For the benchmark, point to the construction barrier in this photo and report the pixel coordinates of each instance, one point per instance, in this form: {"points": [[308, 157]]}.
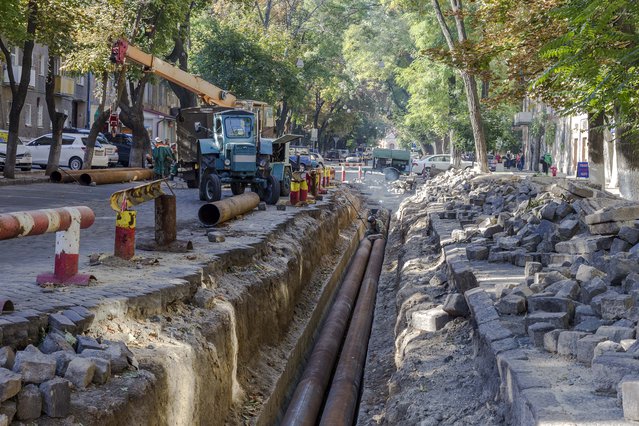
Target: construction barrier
{"points": [[343, 173], [66, 222], [303, 191], [294, 196], [359, 172], [125, 234]]}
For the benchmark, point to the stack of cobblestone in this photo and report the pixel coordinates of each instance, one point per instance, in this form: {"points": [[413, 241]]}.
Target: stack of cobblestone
{"points": [[580, 251], [39, 380]]}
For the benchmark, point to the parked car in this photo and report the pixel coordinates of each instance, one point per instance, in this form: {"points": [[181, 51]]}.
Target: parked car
{"points": [[123, 141], [332, 155], [317, 157], [110, 149], [306, 162], [438, 162], [492, 162], [23, 155], [71, 154], [343, 153], [354, 158]]}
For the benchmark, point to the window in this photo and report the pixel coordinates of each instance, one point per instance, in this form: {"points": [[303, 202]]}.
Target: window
{"points": [[43, 141], [81, 80], [27, 115], [43, 65], [67, 140], [40, 116], [238, 127]]}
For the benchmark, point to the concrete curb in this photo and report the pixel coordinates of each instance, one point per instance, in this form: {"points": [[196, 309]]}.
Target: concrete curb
{"points": [[23, 181]]}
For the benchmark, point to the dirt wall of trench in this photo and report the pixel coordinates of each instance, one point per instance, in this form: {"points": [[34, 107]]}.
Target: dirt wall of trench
{"points": [[207, 352]]}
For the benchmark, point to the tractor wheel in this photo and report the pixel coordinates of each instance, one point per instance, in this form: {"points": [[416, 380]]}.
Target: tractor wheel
{"points": [[211, 188], [270, 194], [285, 186], [237, 188]]}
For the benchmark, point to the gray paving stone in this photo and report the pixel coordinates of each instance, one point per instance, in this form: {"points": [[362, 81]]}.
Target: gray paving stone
{"points": [[616, 334], [493, 331], [537, 331], [455, 305], [10, 384], [56, 397], [29, 405], [34, 366], [616, 306], [80, 372], [550, 340], [102, 370], [7, 357], [557, 319], [511, 305], [587, 273], [567, 342], [53, 342], [586, 348], [609, 369], [62, 323]]}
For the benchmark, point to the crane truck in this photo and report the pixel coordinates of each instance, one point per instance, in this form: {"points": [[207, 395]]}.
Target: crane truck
{"points": [[223, 141]]}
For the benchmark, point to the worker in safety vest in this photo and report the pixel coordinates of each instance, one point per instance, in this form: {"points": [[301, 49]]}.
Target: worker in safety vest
{"points": [[162, 159], [375, 228]]}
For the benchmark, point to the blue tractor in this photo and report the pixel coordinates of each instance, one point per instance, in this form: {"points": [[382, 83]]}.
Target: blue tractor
{"points": [[218, 145]]}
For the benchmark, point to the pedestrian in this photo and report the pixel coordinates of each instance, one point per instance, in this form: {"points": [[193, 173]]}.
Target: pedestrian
{"points": [[520, 165], [162, 159], [509, 158], [547, 162], [498, 158]]}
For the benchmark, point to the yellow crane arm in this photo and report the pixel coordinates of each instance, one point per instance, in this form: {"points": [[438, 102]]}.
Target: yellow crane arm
{"points": [[207, 92]]}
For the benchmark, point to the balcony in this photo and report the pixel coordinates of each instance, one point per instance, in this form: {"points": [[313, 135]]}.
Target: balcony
{"points": [[17, 73], [64, 86], [523, 118]]}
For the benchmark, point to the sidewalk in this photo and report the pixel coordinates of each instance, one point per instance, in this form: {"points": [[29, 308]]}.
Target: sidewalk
{"points": [[25, 178]]}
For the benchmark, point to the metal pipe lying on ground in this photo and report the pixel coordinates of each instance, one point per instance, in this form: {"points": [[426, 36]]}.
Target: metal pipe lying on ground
{"points": [[211, 214], [343, 396], [115, 176], [309, 393], [66, 176]]}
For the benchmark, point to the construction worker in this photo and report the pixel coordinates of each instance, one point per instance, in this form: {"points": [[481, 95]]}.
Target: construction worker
{"points": [[375, 228], [162, 159]]}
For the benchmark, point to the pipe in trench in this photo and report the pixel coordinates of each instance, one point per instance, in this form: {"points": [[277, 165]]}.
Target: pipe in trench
{"points": [[307, 400], [115, 176], [211, 214], [343, 396]]}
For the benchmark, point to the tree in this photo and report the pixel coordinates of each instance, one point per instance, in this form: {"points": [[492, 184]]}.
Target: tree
{"points": [[18, 27], [470, 84]]}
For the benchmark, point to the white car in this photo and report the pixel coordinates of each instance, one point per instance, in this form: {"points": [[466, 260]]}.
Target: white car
{"points": [[71, 154], [23, 155], [438, 161], [354, 158], [318, 158]]}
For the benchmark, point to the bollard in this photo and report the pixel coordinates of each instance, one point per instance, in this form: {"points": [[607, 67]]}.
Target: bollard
{"points": [[343, 173], [359, 172], [125, 234], [332, 176], [67, 222], [294, 196], [303, 190]]}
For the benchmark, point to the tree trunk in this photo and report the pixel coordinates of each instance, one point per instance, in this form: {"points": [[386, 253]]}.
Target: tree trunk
{"points": [[180, 56], [132, 115], [19, 92], [102, 116], [57, 121], [470, 85], [281, 119], [596, 148]]}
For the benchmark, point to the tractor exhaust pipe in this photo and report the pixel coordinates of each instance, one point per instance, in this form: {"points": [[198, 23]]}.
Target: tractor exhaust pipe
{"points": [[307, 400], [217, 212]]}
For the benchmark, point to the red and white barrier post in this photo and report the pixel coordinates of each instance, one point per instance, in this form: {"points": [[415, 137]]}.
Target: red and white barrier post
{"points": [[359, 172], [343, 173], [66, 222]]}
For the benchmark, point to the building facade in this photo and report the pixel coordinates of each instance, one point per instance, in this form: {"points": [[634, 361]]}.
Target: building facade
{"points": [[75, 96]]}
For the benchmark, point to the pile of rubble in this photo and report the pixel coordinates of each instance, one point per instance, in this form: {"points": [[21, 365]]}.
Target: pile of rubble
{"points": [[580, 251], [40, 380]]}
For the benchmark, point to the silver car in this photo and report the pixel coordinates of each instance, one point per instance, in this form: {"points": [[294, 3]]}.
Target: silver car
{"points": [[23, 155]]}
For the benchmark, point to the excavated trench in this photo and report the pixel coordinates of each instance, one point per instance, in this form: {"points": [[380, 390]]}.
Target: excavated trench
{"points": [[232, 349]]}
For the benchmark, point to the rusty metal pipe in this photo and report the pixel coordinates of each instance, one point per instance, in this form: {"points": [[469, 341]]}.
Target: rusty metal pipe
{"points": [[37, 222], [343, 397], [211, 214], [307, 400], [65, 176], [115, 176]]}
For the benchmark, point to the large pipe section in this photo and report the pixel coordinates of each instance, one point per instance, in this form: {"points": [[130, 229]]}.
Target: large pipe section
{"points": [[343, 397], [115, 176], [36, 222], [211, 214], [65, 176], [307, 400]]}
